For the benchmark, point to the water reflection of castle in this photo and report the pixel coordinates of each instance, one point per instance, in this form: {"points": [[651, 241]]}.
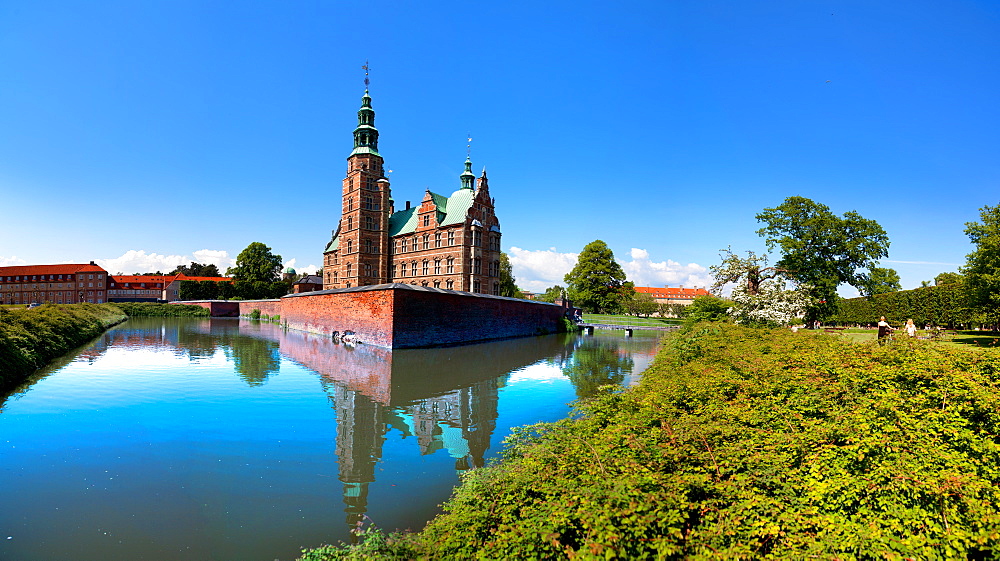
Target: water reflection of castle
{"points": [[446, 398]]}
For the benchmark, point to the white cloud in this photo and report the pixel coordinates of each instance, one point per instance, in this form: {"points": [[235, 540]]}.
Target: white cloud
{"points": [[138, 261], [644, 272], [11, 261], [538, 270]]}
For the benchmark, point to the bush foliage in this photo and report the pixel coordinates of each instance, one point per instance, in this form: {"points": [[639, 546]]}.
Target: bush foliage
{"points": [[149, 309], [748, 443], [31, 338]]}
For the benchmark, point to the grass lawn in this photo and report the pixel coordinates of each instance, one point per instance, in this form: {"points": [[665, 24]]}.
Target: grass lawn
{"points": [[629, 320], [985, 339]]}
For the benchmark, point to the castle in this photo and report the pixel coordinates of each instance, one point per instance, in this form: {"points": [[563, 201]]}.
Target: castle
{"points": [[448, 242]]}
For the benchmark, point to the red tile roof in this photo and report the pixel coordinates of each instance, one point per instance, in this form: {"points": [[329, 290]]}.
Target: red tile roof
{"points": [[671, 292], [167, 279], [59, 269]]}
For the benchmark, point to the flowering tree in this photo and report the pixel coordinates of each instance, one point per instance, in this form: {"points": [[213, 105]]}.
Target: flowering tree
{"points": [[760, 295]]}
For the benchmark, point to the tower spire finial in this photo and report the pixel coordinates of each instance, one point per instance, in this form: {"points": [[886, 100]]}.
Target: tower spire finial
{"points": [[468, 148], [366, 68]]}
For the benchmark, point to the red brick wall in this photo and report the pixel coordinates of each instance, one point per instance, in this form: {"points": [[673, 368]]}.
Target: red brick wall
{"points": [[427, 318], [266, 307], [218, 308], [401, 316], [367, 313]]}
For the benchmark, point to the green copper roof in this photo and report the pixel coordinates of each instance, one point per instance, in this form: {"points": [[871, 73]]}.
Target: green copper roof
{"points": [[366, 135], [334, 244], [403, 222], [458, 207], [468, 178]]}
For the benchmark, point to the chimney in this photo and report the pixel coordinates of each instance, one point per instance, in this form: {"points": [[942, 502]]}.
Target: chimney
{"points": [[92, 263], [407, 205]]}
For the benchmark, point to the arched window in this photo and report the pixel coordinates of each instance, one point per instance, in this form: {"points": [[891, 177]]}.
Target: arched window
{"points": [[437, 266], [349, 270], [451, 265], [413, 269], [425, 271], [350, 223], [350, 246]]}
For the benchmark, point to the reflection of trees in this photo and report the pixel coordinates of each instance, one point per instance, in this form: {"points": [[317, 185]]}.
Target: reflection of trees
{"points": [[596, 362], [254, 359]]}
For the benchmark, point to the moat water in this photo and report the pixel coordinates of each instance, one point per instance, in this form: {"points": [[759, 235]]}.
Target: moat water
{"points": [[199, 439]]}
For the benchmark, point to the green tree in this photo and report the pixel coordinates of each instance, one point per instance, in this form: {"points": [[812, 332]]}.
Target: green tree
{"points": [[882, 281], [822, 250], [196, 270], [552, 293], [707, 308], [256, 263], [982, 266], [641, 304], [596, 280], [595, 363], [947, 278], [508, 287]]}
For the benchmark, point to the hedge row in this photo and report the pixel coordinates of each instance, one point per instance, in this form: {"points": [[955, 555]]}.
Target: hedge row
{"points": [[149, 309], [743, 443], [30, 338], [945, 305]]}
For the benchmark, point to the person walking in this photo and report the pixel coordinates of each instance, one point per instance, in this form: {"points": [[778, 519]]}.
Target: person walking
{"points": [[884, 330], [911, 329]]}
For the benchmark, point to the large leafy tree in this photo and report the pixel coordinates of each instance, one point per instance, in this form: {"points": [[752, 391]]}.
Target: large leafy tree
{"points": [[552, 293], [882, 281], [595, 283], [197, 270], [982, 266], [508, 286], [823, 250], [256, 263]]}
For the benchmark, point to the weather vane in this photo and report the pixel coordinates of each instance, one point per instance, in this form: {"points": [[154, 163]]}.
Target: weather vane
{"points": [[468, 149], [365, 68]]}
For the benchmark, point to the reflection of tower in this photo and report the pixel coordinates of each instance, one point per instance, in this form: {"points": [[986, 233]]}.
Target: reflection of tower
{"points": [[360, 434], [462, 421]]}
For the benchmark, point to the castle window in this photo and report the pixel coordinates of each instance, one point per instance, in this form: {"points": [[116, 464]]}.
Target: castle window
{"points": [[424, 283], [414, 244], [449, 285], [477, 238], [368, 270], [350, 248], [350, 223], [427, 241], [350, 203], [477, 267], [437, 284], [425, 272], [393, 271], [370, 223], [496, 289], [402, 271], [451, 265], [349, 271], [370, 246], [475, 286], [427, 220], [413, 269], [437, 266], [437, 239]]}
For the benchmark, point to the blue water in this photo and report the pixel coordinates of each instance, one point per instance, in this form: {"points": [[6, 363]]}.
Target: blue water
{"points": [[227, 439]]}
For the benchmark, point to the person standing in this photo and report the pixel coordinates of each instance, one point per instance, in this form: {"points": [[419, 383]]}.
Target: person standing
{"points": [[911, 329], [884, 329]]}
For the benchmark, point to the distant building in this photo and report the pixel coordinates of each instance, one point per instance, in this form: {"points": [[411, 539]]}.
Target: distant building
{"points": [[668, 295], [59, 284], [445, 241], [308, 283], [150, 288]]}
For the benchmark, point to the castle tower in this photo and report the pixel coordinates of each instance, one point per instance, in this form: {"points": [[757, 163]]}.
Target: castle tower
{"points": [[359, 253]]}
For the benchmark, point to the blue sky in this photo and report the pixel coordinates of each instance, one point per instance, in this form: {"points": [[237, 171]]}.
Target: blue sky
{"points": [[146, 134]]}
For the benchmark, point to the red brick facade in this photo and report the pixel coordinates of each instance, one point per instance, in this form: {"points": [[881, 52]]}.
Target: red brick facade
{"points": [[446, 242]]}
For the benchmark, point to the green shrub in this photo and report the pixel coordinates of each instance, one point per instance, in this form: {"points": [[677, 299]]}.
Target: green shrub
{"points": [[151, 309], [255, 314], [751, 443]]}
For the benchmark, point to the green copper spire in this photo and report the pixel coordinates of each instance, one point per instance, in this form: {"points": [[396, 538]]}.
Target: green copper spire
{"points": [[468, 178], [366, 135]]}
